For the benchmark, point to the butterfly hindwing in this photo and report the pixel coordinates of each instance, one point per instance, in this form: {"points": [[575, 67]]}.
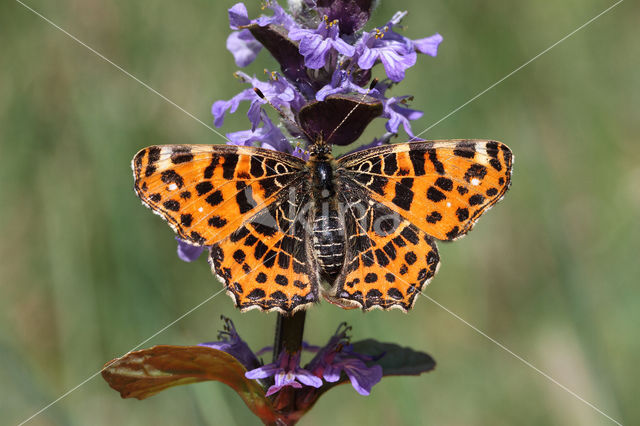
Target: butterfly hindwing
{"points": [[388, 260], [442, 187], [267, 263], [205, 192]]}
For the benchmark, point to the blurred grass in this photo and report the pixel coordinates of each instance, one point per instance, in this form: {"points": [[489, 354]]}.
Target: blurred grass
{"points": [[86, 273]]}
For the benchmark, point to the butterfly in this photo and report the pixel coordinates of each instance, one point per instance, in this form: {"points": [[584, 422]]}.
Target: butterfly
{"points": [[359, 230]]}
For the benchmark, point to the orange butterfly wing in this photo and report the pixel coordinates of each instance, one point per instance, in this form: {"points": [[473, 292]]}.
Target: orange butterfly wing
{"points": [[442, 187], [242, 203], [397, 199], [388, 260]]}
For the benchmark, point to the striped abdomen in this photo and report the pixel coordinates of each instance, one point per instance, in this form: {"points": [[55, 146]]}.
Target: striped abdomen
{"points": [[328, 240]]}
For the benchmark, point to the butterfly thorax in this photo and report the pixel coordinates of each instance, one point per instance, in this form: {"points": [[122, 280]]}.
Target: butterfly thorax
{"points": [[328, 228]]}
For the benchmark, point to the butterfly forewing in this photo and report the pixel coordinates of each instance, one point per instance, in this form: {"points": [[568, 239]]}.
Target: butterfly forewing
{"points": [[206, 192], [244, 203], [442, 187]]}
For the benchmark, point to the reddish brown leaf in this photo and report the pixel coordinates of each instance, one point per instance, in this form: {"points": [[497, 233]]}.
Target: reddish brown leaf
{"points": [[144, 373]]}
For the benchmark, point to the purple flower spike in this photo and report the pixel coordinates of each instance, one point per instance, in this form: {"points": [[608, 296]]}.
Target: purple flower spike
{"points": [[231, 343], [316, 44], [286, 372], [188, 252]]}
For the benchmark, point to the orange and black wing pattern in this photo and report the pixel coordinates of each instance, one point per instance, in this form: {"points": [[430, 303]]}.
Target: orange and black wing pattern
{"points": [[442, 187], [398, 199], [238, 201], [268, 262], [388, 260]]}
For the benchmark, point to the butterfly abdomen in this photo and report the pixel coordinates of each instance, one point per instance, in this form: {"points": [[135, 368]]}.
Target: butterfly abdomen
{"points": [[328, 239], [328, 228]]}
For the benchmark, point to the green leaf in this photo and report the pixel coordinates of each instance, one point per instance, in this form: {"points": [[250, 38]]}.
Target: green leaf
{"points": [[144, 373], [397, 360]]}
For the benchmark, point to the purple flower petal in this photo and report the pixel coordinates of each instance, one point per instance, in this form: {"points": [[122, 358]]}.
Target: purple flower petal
{"points": [[316, 44], [243, 46], [262, 372], [428, 45], [362, 378], [238, 16], [188, 252], [268, 136], [286, 372], [220, 108], [231, 343], [308, 379]]}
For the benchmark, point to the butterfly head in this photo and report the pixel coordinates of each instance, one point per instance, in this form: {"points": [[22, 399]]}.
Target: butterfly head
{"points": [[320, 148]]}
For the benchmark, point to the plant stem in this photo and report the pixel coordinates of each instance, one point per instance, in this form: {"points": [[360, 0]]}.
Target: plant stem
{"points": [[289, 331]]}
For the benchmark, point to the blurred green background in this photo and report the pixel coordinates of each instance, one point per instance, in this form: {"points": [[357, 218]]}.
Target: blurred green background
{"points": [[87, 273]]}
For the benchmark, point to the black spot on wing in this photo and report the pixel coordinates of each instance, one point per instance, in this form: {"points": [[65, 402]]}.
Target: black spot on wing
{"points": [[410, 235], [281, 280], [453, 233], [444, 183], [154, 154], [463, 214], [394, 293], [382, 258], [475, 171], [403, 195], [434, 217], [208, 171], [172, 205], [390, 164], [214, 198], [204, 187], [170, 176], [181, 155], [217, 221], [476, 199], [435, 195], [433, 157], [229, 165], [244, 198], [417, 160], [256, 166], [492, 149], [256, 294], [239, 256], [186, 219]]}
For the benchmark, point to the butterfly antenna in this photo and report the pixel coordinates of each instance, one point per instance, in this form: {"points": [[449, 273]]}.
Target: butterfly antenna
{"points": [[281, 113], [373, 84]]}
